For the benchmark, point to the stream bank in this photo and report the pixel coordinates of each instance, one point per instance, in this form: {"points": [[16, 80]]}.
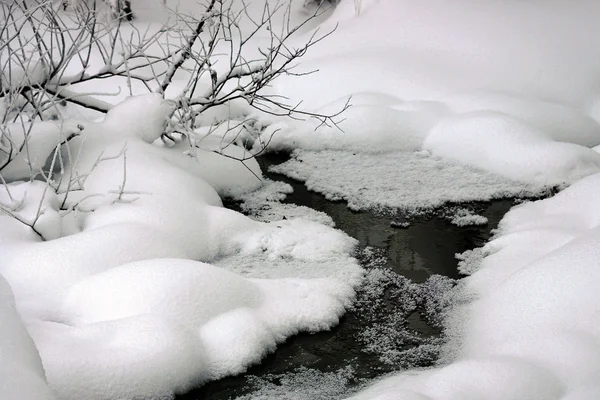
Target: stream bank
{"points": [[395, 323]]}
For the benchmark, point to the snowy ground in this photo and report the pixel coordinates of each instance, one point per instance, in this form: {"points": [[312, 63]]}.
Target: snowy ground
{"points": [[140, 284]]}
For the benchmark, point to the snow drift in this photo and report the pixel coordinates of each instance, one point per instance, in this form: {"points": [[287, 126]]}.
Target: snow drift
{"points": [[467, 80], [111, 281]]}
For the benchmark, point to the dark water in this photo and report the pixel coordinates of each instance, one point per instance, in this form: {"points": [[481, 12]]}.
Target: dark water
{"points": [[426, 247]]}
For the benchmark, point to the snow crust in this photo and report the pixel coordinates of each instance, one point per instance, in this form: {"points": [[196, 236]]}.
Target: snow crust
{"points": [[397, 181]]}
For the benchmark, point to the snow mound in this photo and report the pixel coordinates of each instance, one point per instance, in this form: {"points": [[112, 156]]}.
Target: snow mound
{"points": [[457, 79], [22, 366], [108, 266], [188, 292], [26, 147], [508, 147], [170, 324], [374, 122], [140, 116]]}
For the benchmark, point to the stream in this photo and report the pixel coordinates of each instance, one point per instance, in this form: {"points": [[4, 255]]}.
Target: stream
{"points": [[412, 265]]}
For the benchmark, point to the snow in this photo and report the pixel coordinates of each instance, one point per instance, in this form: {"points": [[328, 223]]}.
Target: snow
{"points": [[454, 79], [38, 142], [24, 372], [510, 88], [302, 384], [124, 277], [465, 217], [151, 113], [511, 148], [266, 204], [115, 288]]}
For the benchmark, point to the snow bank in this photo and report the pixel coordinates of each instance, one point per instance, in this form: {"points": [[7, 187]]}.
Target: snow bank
{"points": [[522, 48], [110, 274], [507, 146], [532, 332], [38, 141], [480, 82]]}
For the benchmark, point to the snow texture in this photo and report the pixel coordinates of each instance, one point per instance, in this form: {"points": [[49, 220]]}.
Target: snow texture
{"points": [[303, 384], [399, 181], [464, 217], [111, 277], [266, 204], [21, 364], [479, 82]]}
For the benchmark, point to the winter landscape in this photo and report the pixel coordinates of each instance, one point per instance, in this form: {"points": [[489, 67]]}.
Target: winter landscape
{"points": [[189, 188]]}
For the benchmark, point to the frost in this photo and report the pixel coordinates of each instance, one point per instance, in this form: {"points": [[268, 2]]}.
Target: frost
{"points": [[266, 204], [387, 302], [470, 261], [303, 384], [405, 182], [465, 217]]}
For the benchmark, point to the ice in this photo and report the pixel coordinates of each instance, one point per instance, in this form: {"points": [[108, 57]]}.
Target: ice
{"points": [[400, 181], [265, 204], [465, 217], [302, 384]]}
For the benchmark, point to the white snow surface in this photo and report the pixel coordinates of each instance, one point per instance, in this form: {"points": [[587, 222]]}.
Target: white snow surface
{"points": [[112, 281], [510, 87], [21, 371]]}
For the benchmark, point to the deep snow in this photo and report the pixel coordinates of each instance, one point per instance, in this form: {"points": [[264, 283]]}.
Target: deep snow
{"points": [[116, 298]]}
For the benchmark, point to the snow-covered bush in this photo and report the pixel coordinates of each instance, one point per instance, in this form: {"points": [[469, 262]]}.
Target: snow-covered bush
{"points": [[62, 62]]}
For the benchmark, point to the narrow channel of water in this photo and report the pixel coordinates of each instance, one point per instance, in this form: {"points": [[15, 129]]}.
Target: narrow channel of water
{"points": [[426, 247]]}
